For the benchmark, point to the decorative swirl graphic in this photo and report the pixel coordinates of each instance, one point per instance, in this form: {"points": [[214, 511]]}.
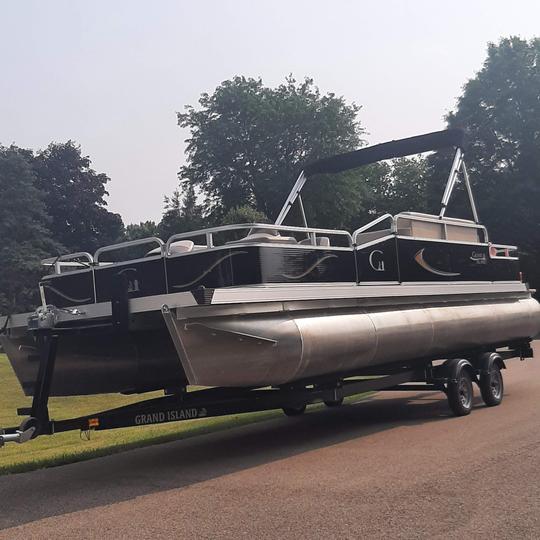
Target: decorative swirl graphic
{"points": [[419, 258], [311, 268], [65, 296], [208, 270]]}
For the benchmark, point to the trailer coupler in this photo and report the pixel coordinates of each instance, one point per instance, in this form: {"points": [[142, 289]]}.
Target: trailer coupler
{"points": [[16, 435]]}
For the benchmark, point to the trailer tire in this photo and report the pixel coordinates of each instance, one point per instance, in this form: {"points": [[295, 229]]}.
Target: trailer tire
{"points": [[295, 411], [460, 392], [492, 386], [334, 402]]}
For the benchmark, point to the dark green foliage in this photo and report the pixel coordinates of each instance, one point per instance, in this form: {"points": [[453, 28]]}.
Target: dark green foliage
{"points": [[144, 229], [500, 109], [24, 231], [74, 199], [248, 142], [397, 186], [244, 214], [182, 213], [52, 202]]}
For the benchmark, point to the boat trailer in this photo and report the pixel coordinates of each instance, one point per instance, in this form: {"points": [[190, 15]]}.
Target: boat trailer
{"points": [[454, 377]]}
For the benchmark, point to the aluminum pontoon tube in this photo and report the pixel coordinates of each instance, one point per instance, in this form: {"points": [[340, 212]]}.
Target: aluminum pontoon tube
{"points": [[277, 348]]}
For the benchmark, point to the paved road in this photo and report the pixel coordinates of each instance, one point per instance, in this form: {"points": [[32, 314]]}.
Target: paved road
{"points": [[396, 466]]}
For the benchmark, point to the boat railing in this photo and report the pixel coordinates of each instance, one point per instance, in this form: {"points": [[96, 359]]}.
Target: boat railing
{"points": [[446, 227], [371, 224], [502, 251], [310, 232], [70, 260], [129, 244]]}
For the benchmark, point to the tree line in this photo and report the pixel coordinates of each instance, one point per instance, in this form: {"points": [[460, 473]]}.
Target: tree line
{"points": [[247, 144]]}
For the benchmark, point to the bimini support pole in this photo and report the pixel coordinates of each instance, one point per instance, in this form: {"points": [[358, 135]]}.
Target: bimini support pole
{"points": [[293, 195], [469, 191], [458, 166], [451, 182]]}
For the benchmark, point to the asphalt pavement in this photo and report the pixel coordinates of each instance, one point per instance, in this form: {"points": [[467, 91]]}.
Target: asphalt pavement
{"points": [[394, 466]]}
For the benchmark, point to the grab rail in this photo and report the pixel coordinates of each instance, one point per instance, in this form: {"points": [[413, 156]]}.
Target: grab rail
{"points": [[368, 226], [128, 244], [68, 260], [494, 250]]}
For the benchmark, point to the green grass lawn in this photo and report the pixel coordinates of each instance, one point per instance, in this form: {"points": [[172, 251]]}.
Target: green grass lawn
{"points": [[68, 447]]}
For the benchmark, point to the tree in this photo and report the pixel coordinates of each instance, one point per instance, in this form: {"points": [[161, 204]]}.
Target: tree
{"points": [[24, 231], [398, 186], [248, 142], [244, 214], [136, 231], [182, 213], [500, 109], [75, 198]]}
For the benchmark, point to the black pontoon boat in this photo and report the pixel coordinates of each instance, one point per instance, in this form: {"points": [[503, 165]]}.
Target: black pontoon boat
{"points": [[255, 305]]}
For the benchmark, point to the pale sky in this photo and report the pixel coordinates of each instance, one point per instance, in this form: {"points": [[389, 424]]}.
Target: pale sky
{"points": [[112, 74]]}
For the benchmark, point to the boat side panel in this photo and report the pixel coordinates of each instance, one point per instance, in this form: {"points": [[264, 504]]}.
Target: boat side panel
{"points": [[142, 277], [251, 265], [70, 289], [214, 268], [293, 265], [378, 262], [424, 260]]}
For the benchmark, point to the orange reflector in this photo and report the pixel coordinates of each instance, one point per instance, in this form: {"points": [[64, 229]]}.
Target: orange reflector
{"points": [[93, 422]]}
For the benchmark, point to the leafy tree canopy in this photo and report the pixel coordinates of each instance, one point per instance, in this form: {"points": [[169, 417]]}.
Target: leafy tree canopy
{"points": [[24, 231], [500, 109], [248, 143], [244, 214], [182, 213], [75, 198], [136, 231]]}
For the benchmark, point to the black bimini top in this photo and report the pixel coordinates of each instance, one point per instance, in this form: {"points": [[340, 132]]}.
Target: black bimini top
{"points": [[403, 147]]}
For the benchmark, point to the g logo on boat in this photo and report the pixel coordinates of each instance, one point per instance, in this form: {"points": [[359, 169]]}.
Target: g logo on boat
{"points": [[376, 260]]}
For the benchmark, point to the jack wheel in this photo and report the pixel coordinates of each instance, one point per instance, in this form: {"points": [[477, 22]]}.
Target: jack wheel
{"points": [[29, 423], [492, 387], [294, 411], [460, 393]]}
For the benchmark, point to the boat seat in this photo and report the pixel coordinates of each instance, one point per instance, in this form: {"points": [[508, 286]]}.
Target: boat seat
{"points": [[365, 237], [270, 236], [265, 238], [180, 246], [323, 241]]}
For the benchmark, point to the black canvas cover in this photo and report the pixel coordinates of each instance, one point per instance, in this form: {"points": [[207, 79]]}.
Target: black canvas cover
{"points": [[403, 147]]}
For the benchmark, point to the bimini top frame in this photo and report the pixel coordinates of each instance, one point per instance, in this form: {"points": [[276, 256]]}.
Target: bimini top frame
{"points": [[380, 152]]}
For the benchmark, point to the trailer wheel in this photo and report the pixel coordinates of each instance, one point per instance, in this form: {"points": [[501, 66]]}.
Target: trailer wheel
{"points": [[492, 386], [294, 411], [334, 402], [460, 392]]}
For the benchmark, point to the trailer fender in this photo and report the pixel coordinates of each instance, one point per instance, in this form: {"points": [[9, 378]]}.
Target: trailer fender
{"points": [[486, 361], [452, 367]]}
